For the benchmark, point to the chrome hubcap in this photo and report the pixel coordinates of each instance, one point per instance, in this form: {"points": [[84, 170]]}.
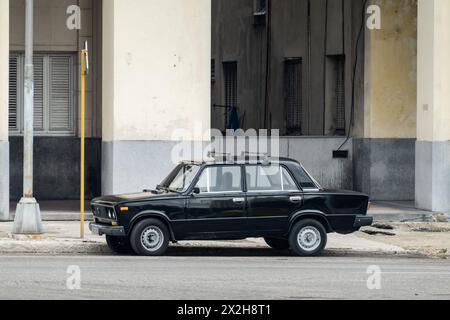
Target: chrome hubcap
{"points": [[309, 239], [152, 238]]}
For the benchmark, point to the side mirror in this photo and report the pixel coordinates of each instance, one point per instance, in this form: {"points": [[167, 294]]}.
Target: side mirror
{"points": [[196, 190]]}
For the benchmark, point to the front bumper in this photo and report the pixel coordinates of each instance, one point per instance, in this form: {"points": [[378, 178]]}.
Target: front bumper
{"points": [[100, 230], [363, 221]]}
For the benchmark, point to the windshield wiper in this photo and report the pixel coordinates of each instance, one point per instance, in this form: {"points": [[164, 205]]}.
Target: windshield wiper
{"points": [[167, 189]]}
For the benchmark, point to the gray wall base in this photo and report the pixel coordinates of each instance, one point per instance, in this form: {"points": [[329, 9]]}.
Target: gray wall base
{"points": [[132, 166], [4, 181], [384, 168], [316, 155], [56, 168], [433, 176]]}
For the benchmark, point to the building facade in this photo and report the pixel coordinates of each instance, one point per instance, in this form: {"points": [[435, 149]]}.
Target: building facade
{"points": [[312, 69]]}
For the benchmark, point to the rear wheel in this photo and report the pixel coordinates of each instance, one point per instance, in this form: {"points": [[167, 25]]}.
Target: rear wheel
{"points": [[277, 244], [150, 237], [119, 245], [308, 238]]}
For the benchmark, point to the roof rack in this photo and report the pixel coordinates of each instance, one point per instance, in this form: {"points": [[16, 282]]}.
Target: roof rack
{"points": [[214, 154], [264, 156]]}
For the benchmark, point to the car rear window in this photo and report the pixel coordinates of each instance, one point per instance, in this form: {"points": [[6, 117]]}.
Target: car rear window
{"points": [[269, 178], [304, 180]]}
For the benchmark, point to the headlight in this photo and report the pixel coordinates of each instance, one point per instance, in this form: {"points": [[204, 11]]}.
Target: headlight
{"points": [[111, 214]]}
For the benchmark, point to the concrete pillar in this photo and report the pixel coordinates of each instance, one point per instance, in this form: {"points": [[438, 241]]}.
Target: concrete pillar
{"points": [[4, 79], [433, 106], [385, 127], [156, 80]]}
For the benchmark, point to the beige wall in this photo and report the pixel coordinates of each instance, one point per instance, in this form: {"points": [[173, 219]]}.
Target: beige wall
{"points": [[4, 53], [390, 72], [52, 35], [156, 68], [433, 105]]}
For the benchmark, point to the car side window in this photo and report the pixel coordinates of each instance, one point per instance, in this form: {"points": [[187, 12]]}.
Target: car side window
{"points": [[269, 178], [288, 181], [220, 179]]}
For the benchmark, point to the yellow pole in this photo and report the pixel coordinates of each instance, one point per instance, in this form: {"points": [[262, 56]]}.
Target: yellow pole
{"points": [[82, 129]]}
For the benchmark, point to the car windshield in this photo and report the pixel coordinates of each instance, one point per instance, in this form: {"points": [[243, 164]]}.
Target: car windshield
{"points": [[183, 178]]}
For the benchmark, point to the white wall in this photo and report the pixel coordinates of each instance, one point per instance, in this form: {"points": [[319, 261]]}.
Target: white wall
{"points": [[4, 62], [4, 146], [156, 68], [433, 86]]}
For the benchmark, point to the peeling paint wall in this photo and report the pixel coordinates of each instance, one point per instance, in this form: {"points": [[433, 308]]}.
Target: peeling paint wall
{"points": [[391, 72], [156, 68]]}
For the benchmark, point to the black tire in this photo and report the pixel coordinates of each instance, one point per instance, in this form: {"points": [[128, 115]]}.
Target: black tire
{"points": [[119, 245], [150, 237], [277, 244], [314, 238]]}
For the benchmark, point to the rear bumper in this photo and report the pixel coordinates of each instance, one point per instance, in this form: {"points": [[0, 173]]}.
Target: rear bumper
{"points": [[107, 230], [363, 221]]}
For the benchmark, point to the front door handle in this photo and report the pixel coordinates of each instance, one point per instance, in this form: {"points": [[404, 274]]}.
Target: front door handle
{"points": [[295, 199], [239, 200]]}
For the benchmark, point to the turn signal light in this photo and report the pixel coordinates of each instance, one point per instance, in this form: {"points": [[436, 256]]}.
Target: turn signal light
{"points": [[123, 209]]}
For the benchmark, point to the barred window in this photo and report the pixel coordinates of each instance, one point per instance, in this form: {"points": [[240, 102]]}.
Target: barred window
{"points": [[54, 94], [293, 86], [230, 87]]}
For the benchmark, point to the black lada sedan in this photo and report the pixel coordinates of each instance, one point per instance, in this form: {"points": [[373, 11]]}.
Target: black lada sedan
{"points": [[229, 200]]}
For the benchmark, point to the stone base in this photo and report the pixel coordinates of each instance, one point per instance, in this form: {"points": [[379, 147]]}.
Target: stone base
{"points": [[433, 176], [28, 217], [384, 168], [4, 181]]}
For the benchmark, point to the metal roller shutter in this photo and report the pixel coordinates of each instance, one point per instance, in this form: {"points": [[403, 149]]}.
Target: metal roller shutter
{"points": [[38, 61], [13, 107], [60, 94]]}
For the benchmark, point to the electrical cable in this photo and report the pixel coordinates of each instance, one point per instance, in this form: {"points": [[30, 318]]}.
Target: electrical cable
{"points": [[325, 68], [355, 67], [268, 57]]}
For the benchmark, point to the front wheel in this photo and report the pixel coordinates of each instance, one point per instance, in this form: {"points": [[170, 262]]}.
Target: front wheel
{"points": [[150, 237], [308, 238], [277, 244], [119, 245]]}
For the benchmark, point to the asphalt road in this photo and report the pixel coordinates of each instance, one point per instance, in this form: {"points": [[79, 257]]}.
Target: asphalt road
{"points": [[205, 275]]}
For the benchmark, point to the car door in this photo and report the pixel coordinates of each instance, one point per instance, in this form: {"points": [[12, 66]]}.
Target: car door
{"points": [[219, 209], [272, 196]]}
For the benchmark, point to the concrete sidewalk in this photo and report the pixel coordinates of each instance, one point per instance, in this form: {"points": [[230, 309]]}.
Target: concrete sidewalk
{"points": [[63, 238], [392, 211]]}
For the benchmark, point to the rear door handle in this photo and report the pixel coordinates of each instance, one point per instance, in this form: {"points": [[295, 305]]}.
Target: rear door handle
{"points": [[295, 199], [239, 200]]}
